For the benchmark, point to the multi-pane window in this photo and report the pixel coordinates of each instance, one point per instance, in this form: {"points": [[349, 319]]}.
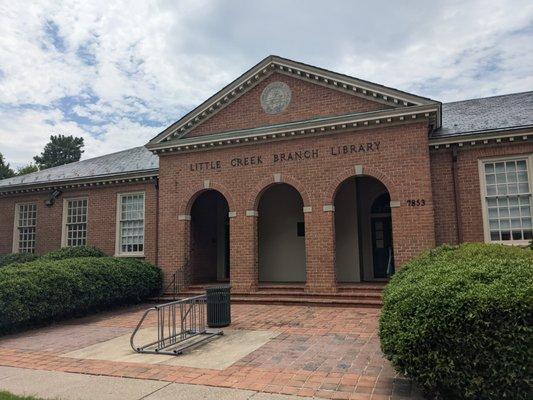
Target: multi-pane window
{"points": [[508, 200], [76, 222], [25, 228], [131, 223]]}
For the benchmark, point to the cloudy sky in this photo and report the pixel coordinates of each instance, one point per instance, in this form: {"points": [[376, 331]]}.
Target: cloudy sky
{"points": [[118, 72]]}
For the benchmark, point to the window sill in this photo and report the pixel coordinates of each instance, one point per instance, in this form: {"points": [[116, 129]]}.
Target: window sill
{"points": [[130, 255], [519, 243]]}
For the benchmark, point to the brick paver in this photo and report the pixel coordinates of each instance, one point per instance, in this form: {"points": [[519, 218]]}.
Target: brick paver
{"points": [[324, 352]]}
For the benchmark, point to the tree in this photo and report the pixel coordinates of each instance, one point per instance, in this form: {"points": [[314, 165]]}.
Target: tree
{"points": [[60, 150], [5, 170], [28, 169]]}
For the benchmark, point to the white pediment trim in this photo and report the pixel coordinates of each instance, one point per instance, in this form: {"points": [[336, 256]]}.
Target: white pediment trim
{"points": [[357, 87], [294, 130]]}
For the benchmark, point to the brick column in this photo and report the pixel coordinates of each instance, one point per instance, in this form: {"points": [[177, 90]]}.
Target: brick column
{"points": [[413, 231], [243, 252], [174, 238], [320, 250]]}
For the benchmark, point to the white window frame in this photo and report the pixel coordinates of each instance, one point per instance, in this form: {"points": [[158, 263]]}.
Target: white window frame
{"points": [[64, 230], [16, 241], [483, 190], [118, 247]]}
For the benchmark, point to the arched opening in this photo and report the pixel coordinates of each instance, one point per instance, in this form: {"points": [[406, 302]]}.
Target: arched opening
{"points": [[209, 252], [281, 235], [363, 231]]}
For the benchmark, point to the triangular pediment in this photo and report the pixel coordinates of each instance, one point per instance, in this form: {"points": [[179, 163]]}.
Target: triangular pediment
{"points": [[294, 92]]}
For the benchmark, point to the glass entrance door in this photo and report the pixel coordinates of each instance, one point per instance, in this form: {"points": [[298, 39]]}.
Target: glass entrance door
{"points": [[382, 246]]}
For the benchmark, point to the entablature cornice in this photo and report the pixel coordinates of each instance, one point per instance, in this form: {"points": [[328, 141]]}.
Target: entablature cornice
{"points": [[318, 126]]}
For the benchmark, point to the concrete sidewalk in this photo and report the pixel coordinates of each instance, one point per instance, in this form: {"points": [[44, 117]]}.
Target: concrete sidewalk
{"points": [[68, 386]]}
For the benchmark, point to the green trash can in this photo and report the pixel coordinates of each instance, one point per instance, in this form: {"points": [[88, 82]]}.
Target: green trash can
{"points": [[218, 306]]}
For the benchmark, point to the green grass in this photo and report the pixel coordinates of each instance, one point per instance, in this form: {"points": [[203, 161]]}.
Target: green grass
{"points": [[9, 396]]}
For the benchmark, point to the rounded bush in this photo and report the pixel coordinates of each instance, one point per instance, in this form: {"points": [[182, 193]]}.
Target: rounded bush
{"points": [[43, 291], [73, 252], [6, 259], [458, 321]]}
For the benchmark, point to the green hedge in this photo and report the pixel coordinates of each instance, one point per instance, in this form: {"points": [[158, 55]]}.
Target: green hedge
{"points": [[6, 259], [73, 252], [458, 321], [43, 291], [59, 254]]}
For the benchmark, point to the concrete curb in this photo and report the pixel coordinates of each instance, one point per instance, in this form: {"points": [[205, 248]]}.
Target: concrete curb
{"points": [[68, 386]]}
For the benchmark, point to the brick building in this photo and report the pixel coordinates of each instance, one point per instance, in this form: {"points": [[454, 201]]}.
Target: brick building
{"points": [[292, 175]]}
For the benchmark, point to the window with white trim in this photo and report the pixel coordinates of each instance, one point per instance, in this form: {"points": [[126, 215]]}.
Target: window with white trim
{"points": [[130, 218], [75, 229], [26, 220], [507, 200]]}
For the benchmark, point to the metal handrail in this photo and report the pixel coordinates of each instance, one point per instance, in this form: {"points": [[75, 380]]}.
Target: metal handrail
{"points": [[173, 339], [177, 282]]}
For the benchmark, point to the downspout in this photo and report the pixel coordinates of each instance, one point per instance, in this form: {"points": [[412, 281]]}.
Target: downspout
{"points": [[156, 186], [455, 178]]}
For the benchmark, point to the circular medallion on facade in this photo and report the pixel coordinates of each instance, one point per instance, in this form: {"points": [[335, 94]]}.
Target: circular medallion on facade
{"points": [[275, 97]]}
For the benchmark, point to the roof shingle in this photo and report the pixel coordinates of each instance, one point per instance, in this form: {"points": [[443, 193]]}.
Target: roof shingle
{"points": [[488, 113], [133, 160]]}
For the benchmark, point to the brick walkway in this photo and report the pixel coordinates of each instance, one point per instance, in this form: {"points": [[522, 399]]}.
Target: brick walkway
{"points": [[320, 351]]}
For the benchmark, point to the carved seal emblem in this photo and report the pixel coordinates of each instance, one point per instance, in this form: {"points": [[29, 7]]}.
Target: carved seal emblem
{"points": [[275, 97]]}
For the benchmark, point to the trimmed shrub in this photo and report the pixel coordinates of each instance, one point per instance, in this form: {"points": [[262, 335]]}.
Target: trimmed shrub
{"points": [[73, 252], [43, 291], [6, 259], [458, 321]]}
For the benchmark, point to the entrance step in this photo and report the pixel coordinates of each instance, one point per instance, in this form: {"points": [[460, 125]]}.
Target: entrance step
{"points": [[361, 287], [354, 295], [311, 300], [282, 287]]}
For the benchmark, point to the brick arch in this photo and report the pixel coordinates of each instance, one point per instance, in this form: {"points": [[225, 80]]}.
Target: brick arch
{"points": [[367, 171], [192, 194], [263, 185]]}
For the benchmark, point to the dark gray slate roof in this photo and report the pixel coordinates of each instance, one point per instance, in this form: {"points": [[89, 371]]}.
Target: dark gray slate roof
{"points": [[124, 162], [489, 113]]}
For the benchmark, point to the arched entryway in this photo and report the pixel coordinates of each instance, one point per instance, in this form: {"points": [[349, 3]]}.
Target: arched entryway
{"points": [[363, 231], [281, 235], [209, 251]]}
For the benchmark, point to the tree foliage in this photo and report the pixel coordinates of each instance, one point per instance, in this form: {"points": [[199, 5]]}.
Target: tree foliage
{"points": [[28, 169], [5, 169], [60, 150]]}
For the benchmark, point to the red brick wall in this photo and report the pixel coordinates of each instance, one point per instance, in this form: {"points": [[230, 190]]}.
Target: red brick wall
{"points": [[308, 100], [443, 197], [101, 228], [469, 206], [402, 164]]}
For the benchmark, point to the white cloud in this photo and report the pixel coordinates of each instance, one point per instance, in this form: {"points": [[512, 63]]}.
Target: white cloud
{"points": [[23, 133], [452, 59], [119, 71]]}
